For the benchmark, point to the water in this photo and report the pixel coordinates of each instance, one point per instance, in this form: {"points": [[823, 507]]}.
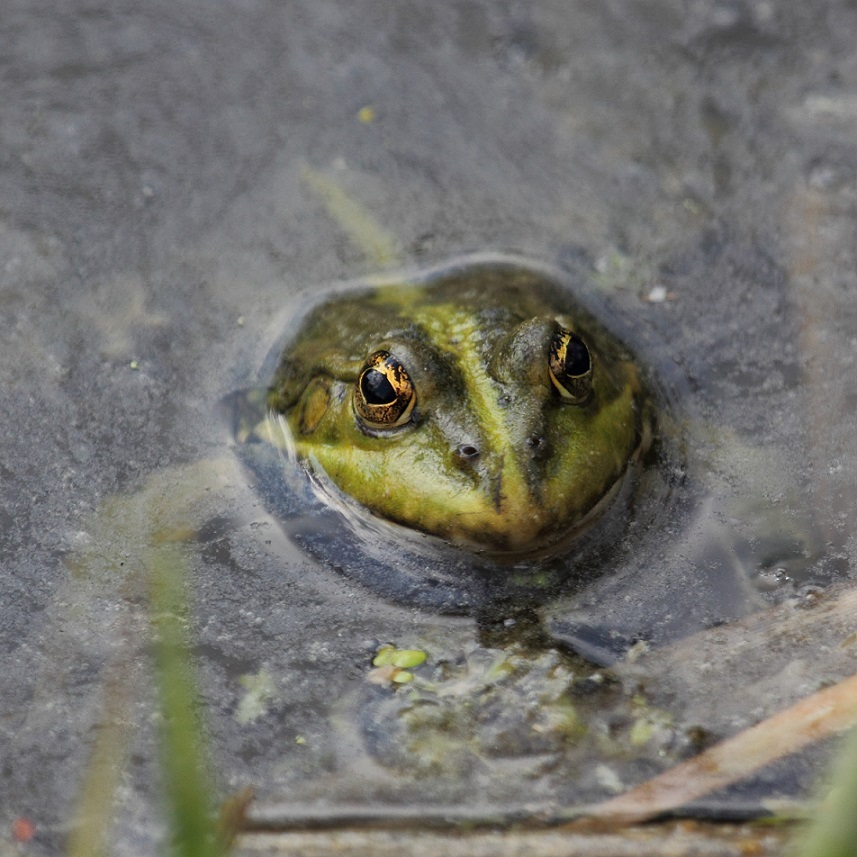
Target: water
{"points": [[172, 183]]}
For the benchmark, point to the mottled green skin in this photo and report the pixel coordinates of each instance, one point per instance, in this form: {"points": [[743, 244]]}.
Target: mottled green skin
{"points": [[475, 344]]}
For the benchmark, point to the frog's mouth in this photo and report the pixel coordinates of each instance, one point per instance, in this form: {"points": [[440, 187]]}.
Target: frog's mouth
{"points": [[410, 566], [504, 540]]}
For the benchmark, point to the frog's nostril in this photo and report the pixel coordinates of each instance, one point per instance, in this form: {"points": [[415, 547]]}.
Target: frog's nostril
{"points": [[467, 452], [539, 447]]}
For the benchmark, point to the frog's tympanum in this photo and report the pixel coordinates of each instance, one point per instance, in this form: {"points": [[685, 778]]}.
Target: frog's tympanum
{"points": [[485, 407]]}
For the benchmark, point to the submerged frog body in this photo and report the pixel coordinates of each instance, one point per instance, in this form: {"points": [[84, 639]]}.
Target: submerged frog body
{"points": [[485, 406]]}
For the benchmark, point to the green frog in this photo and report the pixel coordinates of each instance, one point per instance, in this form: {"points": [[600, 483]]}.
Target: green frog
{"points": [[483, 405]]}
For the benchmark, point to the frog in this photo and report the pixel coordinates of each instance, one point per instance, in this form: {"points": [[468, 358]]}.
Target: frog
{"points": [[484, 406]]}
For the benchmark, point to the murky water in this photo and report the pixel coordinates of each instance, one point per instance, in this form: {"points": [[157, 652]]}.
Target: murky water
{"points": [[178, 180]]}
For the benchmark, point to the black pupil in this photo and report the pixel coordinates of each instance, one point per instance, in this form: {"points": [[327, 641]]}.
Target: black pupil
{"points": [[576, 357], [377, 390]]}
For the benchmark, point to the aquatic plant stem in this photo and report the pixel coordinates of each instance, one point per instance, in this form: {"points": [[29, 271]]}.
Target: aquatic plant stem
{"points": [[189, 800]]}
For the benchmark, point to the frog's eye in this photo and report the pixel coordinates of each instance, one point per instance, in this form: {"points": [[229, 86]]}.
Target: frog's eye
{"points": [[570, 366], [384, 396]]}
